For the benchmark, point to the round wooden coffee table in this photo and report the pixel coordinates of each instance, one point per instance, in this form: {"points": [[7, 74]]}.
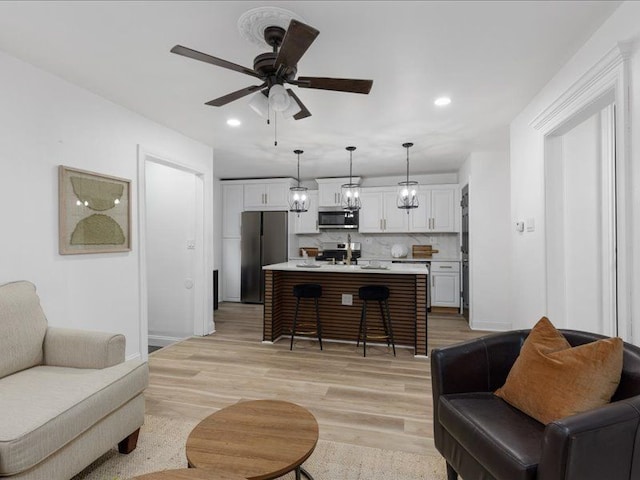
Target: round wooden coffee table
{"points": [[189, 474], [258, 440]]}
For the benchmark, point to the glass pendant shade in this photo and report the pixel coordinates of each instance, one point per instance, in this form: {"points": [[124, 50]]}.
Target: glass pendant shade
{"points": [[292, 109], [260, 104], [350, 192], [298, 196], [408, 195], [278, 98], [407, 198]]}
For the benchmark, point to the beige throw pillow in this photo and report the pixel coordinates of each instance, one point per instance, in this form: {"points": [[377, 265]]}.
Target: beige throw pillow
{"points": [[551, 380]]}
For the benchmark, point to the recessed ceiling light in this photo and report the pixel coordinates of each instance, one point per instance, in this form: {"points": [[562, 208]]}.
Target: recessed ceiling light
{"points": [[442, 101], [234, 122]]}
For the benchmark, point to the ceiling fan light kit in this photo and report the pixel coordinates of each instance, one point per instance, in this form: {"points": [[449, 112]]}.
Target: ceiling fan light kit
{"points": [[275, 68], [408, 189], [350, 192], [298, 196], [278, 98]]}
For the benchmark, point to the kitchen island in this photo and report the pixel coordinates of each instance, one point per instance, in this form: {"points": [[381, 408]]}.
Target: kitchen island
{"points": [[407, 300]]}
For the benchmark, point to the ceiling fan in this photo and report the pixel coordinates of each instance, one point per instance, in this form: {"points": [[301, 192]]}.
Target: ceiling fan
{"points": [[278, 67]]}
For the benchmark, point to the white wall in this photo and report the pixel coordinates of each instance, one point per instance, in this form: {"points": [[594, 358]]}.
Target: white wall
{"points": [[46, 122], [527, 167], [487, 174]]}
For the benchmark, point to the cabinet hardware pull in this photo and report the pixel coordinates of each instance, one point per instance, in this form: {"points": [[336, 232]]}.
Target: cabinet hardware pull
{"points": [[445, 266]]}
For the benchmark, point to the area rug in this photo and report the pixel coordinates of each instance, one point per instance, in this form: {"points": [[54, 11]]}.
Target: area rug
{"points": [[162, 441]]}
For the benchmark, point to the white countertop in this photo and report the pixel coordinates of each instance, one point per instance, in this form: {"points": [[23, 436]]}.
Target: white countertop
{"points": [[322, 267]]}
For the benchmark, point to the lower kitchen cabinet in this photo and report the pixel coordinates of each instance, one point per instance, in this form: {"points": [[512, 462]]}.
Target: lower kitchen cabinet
{"points": [[445, 284]]}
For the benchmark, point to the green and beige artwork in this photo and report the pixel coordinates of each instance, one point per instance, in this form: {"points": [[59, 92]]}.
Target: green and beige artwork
{"points": [[97, 228], [96, 213]]}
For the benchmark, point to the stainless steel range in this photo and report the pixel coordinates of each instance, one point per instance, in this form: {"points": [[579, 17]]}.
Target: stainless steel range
{"points": [[337, 252]]}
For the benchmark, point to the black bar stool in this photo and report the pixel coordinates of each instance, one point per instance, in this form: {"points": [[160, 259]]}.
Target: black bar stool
{"points": [[378, 293], [307, 290]]}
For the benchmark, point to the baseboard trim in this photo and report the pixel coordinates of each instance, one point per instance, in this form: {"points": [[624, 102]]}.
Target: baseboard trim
{"points": [[162, 341], [490, 326]]}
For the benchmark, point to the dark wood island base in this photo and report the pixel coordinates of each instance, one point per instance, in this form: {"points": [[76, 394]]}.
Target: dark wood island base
{"points": [[407, 302]]}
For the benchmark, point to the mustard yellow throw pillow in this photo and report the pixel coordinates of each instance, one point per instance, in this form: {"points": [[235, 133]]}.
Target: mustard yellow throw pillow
{"points": [[551, 380]]}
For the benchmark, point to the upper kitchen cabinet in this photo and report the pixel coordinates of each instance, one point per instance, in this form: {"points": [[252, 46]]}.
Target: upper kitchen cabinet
{"points": [[330, 190], [307, 222], [379, 212], [232, 207], [437, 210], [267, 194]]}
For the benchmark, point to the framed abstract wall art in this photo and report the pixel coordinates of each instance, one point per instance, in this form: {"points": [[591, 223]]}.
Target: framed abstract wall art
{"points": [[94, 212]]}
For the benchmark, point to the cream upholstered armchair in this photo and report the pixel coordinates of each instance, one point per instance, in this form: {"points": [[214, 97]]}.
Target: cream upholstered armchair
{"points": [[66, 396]]}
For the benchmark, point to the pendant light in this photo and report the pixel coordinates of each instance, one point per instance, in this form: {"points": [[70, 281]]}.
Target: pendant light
{"points": [[350, 191], [298, 196], [407, 190]]}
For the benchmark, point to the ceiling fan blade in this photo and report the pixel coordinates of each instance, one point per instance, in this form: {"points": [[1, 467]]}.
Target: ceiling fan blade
{"points": [[297, 40], [203, 57], [338, 84], [218, 102], [303, 113]]}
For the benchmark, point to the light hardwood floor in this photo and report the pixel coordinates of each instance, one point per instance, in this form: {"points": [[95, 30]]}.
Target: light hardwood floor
{"points": [[377, 401]]}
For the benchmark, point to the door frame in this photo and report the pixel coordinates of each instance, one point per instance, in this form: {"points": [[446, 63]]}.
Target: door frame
{"points": [[607, 82], [202, 323]]}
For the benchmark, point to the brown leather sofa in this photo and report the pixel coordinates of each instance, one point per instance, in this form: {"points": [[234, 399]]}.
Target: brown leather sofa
{"points": [[482, 437]]}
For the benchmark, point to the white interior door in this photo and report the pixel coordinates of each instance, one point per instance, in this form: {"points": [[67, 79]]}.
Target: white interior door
{"points": [[581, 256], [171, 196]]}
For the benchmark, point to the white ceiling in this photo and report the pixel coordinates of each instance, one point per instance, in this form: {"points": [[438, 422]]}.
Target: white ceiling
{"points": [[490, 57]]}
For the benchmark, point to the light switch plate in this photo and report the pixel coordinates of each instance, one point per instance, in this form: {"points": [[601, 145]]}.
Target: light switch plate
{"points": [[531, 225]]}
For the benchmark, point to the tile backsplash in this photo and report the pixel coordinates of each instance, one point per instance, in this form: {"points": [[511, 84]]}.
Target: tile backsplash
{"points": [[379, 245]]}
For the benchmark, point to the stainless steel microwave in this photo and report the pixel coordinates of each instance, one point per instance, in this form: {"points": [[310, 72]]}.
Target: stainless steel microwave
{"points": [[338, 219]]}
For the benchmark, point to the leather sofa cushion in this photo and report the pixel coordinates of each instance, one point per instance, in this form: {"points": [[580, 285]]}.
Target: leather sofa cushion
{"points": [[44, 408], [551, 380], [22, 327], [504, 440]]}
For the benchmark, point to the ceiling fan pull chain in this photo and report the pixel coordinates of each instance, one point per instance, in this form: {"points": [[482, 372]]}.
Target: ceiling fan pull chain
{"points": [[275, 129]]}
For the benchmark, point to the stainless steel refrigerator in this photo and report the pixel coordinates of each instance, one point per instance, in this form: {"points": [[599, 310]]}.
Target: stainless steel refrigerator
{"points": [[263, 241]]}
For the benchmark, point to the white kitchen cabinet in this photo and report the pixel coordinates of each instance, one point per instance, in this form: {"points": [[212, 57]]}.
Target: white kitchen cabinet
{"points": [[437, 211], [329, 190], [267, 194], [231, 269], [445, 284], [307, 222], [232, 207], [379, 212]]}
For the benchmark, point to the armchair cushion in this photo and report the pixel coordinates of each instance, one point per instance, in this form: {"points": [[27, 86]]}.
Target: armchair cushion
{"points": [[496, 434], [44, 408], [551, 380]]}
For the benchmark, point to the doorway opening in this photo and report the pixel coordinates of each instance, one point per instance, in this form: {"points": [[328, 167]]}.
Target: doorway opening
{"points": [[172, 268], [581, 221], [464, 248]]}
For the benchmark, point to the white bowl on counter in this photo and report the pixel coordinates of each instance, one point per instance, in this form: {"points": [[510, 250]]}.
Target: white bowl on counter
{"points": [[399, 250]]}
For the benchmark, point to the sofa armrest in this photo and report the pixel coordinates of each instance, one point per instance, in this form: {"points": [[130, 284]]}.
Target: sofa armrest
{"points": [[600, 443], [64, 347]]}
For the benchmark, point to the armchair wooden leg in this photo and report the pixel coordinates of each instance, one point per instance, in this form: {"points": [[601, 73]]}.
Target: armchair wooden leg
{"points": [[128, 445], [451, 473]]}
